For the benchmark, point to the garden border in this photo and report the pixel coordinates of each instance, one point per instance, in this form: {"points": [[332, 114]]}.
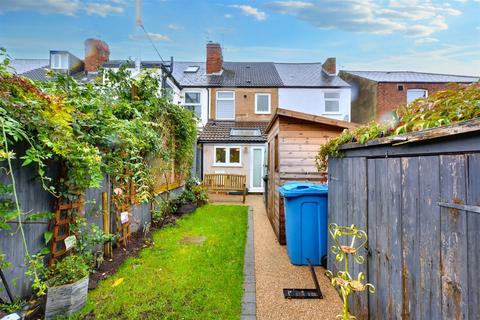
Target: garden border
{"points": [[249, 300]]}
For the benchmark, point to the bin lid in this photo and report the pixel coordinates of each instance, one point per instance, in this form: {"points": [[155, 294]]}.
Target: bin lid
{"points": [[297, 189]]}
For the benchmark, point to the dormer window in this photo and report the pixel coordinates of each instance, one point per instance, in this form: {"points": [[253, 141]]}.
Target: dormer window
{"points": [[59, 61]]}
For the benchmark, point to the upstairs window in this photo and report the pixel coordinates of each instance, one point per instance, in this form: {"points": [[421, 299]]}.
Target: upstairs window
{"points": [[332, 102], [59, 61], [414, 94], [227, 156], [263, 103], [225, 105], [192, 103], [168, 91]]}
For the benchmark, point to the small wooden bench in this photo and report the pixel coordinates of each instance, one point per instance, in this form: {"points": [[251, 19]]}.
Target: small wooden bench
{"points": [[223, 182]]}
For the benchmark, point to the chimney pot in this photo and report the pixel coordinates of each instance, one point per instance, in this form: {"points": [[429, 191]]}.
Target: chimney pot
{"points": [[96, 54], [330, 66], [214, 58]]}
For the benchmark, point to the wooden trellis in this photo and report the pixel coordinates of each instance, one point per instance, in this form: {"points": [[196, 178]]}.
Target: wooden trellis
{"points": [[121, 203], [65, 214]]}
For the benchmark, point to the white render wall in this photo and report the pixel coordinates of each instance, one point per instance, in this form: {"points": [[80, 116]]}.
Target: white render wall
{"points": [[204, 93], [312, 101]]}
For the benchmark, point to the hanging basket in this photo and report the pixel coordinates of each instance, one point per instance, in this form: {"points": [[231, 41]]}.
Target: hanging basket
{"points": [[67, 299]]}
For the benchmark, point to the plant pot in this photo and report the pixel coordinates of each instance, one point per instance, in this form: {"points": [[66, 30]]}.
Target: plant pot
{"points": [[67, 299], [187, 208]]}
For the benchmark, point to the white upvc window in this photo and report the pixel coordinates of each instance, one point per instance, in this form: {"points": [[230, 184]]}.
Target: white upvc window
{"points": [[193, 103], [263, 103], [414, 94], [59, 61], [227, 156], [332, 102], [225, 105]]}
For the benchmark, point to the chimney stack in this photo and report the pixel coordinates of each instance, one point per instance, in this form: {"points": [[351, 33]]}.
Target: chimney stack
{"points": [[214, 58], [330, 66], [96, 54]]}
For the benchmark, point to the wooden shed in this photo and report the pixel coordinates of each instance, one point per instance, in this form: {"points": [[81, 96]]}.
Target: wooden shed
{"points": [[293, 142]]}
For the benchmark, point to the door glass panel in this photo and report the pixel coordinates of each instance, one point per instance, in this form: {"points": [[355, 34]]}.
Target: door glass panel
{"points": [[257, 168]]}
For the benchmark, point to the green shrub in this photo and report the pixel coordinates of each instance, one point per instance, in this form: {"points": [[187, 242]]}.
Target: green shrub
{"points": [[69, 270]]}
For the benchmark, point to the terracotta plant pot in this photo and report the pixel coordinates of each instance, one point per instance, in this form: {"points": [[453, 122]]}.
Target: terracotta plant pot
{"points": [[67, 299]]}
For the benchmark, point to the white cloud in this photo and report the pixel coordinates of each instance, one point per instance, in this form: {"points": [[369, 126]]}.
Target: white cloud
{"points": [[227, 16], [174, 26], [102, 9], [454, 59], [410, 17], [65, 7], [153, 36], [251, 11], [426, 40]]}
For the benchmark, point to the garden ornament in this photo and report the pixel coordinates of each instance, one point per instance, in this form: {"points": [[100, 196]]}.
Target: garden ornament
{"points": [[348, 242]]}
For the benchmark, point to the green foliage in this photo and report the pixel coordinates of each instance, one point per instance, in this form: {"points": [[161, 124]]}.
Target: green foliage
{"points": [[116, 127], [88, 237], [3, 262], [175, 279], [12, 307], [69, 270], [454, 104], [194, 193]]}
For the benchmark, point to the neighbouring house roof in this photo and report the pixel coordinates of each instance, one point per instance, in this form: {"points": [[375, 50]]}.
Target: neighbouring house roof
{"points": [[131, 64], [411, 76], [219, 131], [307, 75], [40, 74], [247, 74], [310, 118], [21, 66]]}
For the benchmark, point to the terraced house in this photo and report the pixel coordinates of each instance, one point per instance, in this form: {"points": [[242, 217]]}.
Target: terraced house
{"points": [[236, 100]]}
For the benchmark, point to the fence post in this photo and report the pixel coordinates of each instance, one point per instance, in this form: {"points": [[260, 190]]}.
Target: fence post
{"points": [[106, 225]]}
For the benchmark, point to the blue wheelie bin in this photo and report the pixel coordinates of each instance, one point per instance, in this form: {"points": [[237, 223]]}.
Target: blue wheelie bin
{"points": [[306, 222]]}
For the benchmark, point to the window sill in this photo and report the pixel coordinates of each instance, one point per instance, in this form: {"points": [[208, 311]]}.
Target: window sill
{"points": [[227, 165], [258, 112]]}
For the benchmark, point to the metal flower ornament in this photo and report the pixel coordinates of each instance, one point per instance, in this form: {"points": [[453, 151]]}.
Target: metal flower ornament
{"points": [[348, 242]]}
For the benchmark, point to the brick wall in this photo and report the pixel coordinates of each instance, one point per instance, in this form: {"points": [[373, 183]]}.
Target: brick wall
{"points": [[390, 98]]}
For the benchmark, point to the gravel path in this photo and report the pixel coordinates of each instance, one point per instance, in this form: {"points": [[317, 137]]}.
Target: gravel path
{"points": [[273, 272]]}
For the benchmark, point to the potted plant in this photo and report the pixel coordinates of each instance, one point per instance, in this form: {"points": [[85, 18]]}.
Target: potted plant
{"points": [[67, 282]]}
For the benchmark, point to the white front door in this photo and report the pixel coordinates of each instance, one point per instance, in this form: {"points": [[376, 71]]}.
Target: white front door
{"points": [[257, 162]]}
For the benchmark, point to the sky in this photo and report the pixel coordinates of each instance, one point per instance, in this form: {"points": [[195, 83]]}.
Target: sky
{"points": [[430, 36]]}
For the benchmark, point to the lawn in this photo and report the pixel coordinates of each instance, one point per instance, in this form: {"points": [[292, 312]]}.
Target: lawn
{"points": [[178, 278]]}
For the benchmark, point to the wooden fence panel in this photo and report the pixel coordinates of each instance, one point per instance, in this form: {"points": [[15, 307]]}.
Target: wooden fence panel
{"points": [[372, 275], [454, 238], [410, 227], [428, 287], [335, 204], [473, 235]]}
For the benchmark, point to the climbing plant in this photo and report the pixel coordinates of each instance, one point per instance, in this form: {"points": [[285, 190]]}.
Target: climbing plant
{"points": [[454, 104], [115, 126]]}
